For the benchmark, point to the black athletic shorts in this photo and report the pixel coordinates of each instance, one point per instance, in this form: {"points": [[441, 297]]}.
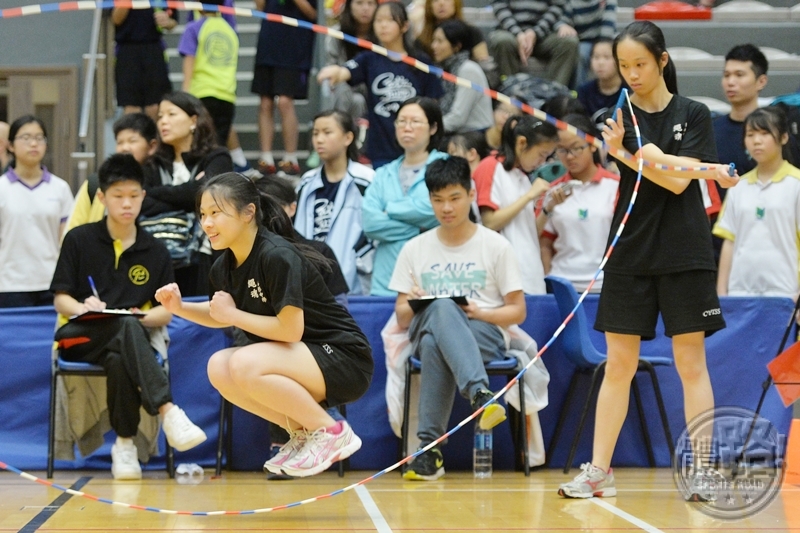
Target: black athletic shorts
{"points": [[687, 302], [141, 74], [347, 370], [276, 81], [222, 113]]}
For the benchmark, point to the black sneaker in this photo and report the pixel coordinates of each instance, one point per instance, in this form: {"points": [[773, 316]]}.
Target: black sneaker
{"points": [[428, 466], [493, 414]]}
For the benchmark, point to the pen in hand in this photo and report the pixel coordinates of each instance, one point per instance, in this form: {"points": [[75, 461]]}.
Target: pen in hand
{"points": [[94, 288]]}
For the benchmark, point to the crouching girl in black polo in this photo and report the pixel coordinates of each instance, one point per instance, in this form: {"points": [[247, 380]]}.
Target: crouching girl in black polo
{"points": [[306, 350]]}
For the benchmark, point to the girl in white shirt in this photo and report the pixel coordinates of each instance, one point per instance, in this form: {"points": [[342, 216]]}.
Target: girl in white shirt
{"points": [[34, 206]]}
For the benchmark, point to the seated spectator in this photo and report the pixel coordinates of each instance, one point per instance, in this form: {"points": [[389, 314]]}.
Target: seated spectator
{"points": [[390, 82], [760, 219], [187, 155], [355, 20], [141, 73], [454, 342], [578, 209], [92, 275], [34, 206], [329, 197], [501, 112], [438, 11], [591, 21], [464, 108], [470, 145], [530, 29], [4, 156], [506, 195], [135, 134], [600, 95], [744, 77], [396, 206], [210, 50]]}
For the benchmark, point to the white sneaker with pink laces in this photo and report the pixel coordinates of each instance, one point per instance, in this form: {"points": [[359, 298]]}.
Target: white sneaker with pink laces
{"points": [[297, 440], [321, 450]]}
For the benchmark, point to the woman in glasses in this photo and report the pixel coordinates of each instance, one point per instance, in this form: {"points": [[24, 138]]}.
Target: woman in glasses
{"points": [[574, 237], [34, 206], [396, 205]]}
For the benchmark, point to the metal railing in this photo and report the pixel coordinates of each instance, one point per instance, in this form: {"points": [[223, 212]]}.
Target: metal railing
{"points": [[89, 105]]}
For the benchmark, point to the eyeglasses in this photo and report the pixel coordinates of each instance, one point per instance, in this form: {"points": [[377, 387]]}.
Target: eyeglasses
{"points": [[28, 139], [575, 151], [402, 123]]}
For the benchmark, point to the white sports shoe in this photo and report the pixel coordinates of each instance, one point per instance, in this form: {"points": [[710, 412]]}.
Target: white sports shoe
{"points": [[321, 450], [125, 462], [181, 433], [297, 439]]}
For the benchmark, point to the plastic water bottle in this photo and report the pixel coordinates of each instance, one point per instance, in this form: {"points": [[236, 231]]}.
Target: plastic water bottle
{"points": [[482, 453]]}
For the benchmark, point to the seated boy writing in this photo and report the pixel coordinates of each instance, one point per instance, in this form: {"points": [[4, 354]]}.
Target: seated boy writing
{"points": [[110, 264], [457, 258]]}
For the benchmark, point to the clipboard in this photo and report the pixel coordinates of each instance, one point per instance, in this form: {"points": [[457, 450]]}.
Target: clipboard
{"points": [[105, 313], [418, 304]]}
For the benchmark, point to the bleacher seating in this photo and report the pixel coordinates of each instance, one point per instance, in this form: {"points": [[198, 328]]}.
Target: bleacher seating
{"points": [[698, 49]]}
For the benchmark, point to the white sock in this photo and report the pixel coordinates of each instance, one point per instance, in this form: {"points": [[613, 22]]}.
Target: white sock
{"points": [[237, 154], [267, 158], [291, 157], [124, 442]]}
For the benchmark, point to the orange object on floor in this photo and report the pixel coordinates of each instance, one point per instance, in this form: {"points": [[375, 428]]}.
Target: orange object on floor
{"points": [[671, 10], [785, 372], [792, 476]]}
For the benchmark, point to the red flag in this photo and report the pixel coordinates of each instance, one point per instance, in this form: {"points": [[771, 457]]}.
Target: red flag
{"points": [[785, 372]]}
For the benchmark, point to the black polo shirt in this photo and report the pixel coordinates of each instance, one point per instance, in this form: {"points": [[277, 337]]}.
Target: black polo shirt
{"points": [[123, 280], [666, 232], [275, 275]]}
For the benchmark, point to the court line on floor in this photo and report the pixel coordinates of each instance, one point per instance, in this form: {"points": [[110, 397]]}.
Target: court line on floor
{"points": [[625, 516], [49, 510], [372, 510]]}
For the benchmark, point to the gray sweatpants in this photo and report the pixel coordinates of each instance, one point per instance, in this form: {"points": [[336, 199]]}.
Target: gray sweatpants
{"points": [[452, 349]]}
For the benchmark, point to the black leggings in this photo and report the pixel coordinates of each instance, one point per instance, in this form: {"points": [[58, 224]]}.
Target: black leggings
{"points": [[134, 375]]}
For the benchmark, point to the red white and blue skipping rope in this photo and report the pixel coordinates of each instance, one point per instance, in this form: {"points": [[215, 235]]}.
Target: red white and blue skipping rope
{"points": [[242, 12]]}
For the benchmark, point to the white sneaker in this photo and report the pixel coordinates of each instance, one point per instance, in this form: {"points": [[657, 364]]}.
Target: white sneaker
{"points": [[181, 433], [125, 462], [591, 482], [321, 450], [297, 439]]}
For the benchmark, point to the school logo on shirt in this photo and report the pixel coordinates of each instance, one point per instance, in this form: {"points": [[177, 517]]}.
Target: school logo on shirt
{"points": [[760, 212], [679, 130], [138, 275], [583, 214], [392, 90], [219, 48], [255, 290]]}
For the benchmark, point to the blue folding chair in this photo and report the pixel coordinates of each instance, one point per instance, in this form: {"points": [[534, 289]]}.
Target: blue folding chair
{"points": [[70, 368], [580, 350], [508, 367]]}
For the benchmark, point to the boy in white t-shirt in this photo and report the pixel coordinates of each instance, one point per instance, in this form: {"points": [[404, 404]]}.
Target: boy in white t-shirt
{"points": [[457, 258]]}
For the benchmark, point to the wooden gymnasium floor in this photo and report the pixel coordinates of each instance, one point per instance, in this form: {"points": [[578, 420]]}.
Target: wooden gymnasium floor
{"points": [[647, 501]]}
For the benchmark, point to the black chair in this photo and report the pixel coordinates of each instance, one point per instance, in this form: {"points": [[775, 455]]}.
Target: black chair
{"points": [[225, 437], [580, 350], [69, 368], [508, 367]]}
